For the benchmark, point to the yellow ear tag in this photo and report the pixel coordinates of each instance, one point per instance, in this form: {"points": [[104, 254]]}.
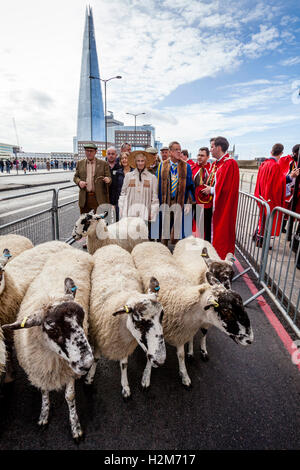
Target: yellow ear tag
{"points": [[216, 304], [126, 309], [204, 255], [24, 321]]}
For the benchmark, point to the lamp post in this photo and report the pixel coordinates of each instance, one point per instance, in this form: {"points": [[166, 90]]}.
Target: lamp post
{"points": [[135, 115], [105, 109]]}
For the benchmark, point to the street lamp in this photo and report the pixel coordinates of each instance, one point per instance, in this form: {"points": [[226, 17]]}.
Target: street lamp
{"points": [[135, 115], [105, 110]]}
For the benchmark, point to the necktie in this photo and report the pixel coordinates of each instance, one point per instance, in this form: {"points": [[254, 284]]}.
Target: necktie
{"points": [[174, 179]]}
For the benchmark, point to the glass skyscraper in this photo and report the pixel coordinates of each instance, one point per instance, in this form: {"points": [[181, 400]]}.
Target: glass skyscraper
{"points": [[90, 120]]}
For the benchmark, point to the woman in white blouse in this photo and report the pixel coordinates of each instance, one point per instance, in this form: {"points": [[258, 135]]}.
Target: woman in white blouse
{"points": [[139, 191]]}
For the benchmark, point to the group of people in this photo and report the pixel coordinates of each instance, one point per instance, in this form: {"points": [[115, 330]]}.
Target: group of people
{"points": [[166, 191], [276, 185]]}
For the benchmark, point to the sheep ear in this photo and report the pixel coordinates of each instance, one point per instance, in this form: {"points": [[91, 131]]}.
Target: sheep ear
{"points": [[153, 286], [125, 309], [5, 257], [92, 212], [212, 303], [230, 258], [206, 257], [70, 288], [211, 279], [27, 322]]}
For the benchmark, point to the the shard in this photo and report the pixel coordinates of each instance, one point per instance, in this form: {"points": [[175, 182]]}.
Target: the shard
{"points": [[90, 120]]}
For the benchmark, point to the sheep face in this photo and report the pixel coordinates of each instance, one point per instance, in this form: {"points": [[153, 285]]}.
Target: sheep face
{"points": [[84, 222], [228, 313], [144, 322], [222, 271], [3, 260], [62, 327]]}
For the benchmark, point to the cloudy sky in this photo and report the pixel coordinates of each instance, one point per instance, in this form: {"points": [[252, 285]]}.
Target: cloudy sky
{"points": [[198, 68]]}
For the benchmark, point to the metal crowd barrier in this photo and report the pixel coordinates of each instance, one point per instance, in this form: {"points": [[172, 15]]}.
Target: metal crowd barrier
{"points": [[246, 184], [275, 263], [53, 223]]}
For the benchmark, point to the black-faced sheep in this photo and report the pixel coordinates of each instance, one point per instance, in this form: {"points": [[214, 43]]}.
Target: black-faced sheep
{"points": [[188, 308], [126, 233], [51, 329], [122, 316]]}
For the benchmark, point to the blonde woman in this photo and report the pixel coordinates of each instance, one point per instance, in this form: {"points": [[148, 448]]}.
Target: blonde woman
{"points": [[139, 191]]}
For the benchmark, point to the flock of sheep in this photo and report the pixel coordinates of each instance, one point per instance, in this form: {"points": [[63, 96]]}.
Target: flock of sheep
{"points": [[62, 308]]}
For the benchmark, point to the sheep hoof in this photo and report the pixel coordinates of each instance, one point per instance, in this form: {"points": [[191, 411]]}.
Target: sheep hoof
{"points": [[78, 437], [43, 423], [126, 394], [145, 388], [190, 358], [204, 356], [187, 387]]}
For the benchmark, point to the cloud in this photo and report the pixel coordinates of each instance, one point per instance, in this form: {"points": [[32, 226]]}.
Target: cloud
{"points": [[290, 61]]}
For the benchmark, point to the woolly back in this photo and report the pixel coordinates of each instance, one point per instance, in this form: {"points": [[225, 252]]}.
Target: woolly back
{"points": [[155, 259], [15, 243], [114, 272], [25, 267], [188, 256]]}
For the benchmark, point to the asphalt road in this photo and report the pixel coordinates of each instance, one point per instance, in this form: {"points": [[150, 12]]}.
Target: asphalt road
{"points": [[242, 398]]}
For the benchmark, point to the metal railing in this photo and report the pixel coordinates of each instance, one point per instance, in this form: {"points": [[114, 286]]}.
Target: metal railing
{"points": [[246, 183], [53, 223], [274, 262]]}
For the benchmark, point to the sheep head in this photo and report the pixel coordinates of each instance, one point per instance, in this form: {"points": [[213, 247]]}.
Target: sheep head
{"points": [[228, 313], [144, 321], [221, 270], [3, 261], [62, 326], [84, 223]]}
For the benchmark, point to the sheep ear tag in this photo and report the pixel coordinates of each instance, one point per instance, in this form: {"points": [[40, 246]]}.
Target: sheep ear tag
{"points": [[125, 309]]}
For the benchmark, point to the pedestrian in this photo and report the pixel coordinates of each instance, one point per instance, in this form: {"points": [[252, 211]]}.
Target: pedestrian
{"points": [[200, 178], [175, 188], [288, 165], [164, 153], [7, 166], [223, 184], [92, 175], [34, 166], [116, 185], [1, 166], [271, 188], [184, 155], [48, 166], [125, 147], [138, 196], [24, 165], [154, 152]]}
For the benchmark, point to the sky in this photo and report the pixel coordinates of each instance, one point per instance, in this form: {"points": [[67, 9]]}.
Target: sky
{"points": [[197, 68]]}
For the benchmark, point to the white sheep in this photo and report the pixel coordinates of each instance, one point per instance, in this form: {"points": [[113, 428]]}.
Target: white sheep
{"points": [[122, 316], [16, 244], [195, 257], [56, 350], [127, 232], [187, 308], [15, 278]]}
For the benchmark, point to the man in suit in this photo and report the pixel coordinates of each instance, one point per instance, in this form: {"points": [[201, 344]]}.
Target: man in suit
{"points": [[93, 178]]}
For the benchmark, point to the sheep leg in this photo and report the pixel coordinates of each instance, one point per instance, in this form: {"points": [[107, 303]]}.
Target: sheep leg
{"points": [[190, 353], [74, 421], [147, 375], [203, 350], [44, 415], [182, 368], [124, 379], [89, 379]]}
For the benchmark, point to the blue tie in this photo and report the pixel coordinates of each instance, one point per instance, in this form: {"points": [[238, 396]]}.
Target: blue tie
{"points": [[174, 179]]}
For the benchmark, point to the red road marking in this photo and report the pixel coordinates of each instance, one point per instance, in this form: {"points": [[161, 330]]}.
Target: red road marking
{"points": [[281, 332]]}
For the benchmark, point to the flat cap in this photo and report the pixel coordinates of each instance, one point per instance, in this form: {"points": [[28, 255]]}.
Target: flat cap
{"points": [[164, 148], [151, 150], [90, 145]]}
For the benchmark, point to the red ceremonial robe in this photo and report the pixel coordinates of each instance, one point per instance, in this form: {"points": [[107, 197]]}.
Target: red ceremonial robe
{"points": [[270, 187], [225, 205]]}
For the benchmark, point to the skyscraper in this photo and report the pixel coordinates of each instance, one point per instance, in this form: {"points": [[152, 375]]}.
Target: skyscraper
{"points": [[90, 120]]}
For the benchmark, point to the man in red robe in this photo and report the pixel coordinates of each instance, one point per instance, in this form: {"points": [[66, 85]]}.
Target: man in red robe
{"points": [[288, 165], [225, 197], [270, 187]]}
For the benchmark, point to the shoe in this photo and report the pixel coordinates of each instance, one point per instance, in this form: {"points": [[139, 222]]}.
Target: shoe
{"points": [[84, 247]]}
